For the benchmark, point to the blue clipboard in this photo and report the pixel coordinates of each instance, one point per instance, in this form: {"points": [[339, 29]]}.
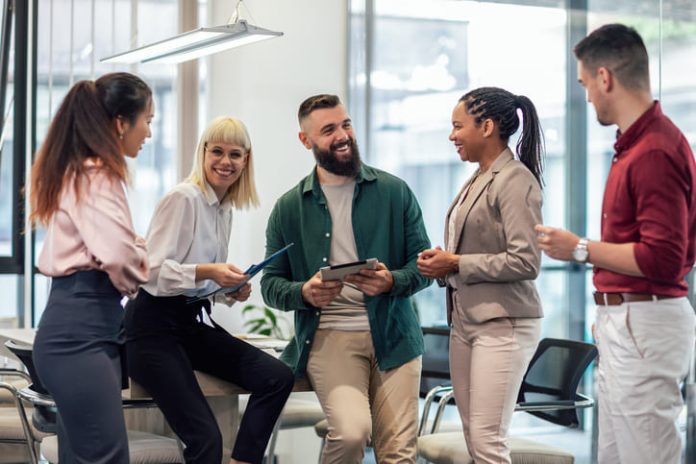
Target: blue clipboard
{"points": [[251, 272]]}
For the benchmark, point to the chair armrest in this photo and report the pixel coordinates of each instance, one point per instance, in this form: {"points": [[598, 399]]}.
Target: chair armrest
{"points": [[35, 398], [11, 388], [11, 372], [540, 406], [441, 410], [429, 398], [139, 403]]}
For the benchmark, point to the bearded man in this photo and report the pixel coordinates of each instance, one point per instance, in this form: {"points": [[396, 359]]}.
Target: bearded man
{"points": [[358, 341]]}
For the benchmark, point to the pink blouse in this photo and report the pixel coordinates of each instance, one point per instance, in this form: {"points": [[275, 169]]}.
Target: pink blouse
{"points": [[95, 232]]}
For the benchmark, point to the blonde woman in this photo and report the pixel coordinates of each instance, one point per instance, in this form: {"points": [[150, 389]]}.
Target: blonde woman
{"points": [[166, 335]]}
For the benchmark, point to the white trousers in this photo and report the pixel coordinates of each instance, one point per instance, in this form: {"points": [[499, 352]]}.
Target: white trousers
{"points": [[644, 353]]}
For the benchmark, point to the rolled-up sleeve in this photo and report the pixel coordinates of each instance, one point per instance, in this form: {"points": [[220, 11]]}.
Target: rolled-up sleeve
{"points": [[661, 197]]}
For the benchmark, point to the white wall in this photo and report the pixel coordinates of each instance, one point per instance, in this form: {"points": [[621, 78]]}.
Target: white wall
{"points": [[263, 85]]}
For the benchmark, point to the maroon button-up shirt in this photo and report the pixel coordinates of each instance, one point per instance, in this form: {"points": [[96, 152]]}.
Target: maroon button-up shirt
{"points": [[650, 199]]}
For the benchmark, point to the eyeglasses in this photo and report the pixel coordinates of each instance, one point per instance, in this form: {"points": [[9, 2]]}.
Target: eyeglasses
{"points": [[236, 155]]}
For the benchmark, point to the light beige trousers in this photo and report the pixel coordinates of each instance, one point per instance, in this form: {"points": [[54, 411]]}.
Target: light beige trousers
{"points": [[487, 363], [361, 402], [645, 349]]}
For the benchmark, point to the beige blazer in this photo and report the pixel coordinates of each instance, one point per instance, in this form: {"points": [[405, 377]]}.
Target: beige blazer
{"points": [[495, 237]]}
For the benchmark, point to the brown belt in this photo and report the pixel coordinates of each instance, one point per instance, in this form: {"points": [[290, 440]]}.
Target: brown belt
{"points": [[613, 299]]}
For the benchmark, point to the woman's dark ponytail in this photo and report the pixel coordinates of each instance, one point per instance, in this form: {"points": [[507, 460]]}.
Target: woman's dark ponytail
{"points": [[501, 106]]}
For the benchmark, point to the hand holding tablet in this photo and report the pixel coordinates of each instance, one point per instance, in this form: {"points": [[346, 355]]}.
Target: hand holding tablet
{"points": [[250, 272], [340, 271]]}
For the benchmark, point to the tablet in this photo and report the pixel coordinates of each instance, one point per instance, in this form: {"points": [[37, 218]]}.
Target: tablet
{"points": [[339, 271], [251, 272]]}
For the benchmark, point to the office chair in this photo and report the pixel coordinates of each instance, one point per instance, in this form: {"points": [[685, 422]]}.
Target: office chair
{"points": [[13, 434], [297, 413], [145, 448], [548, 391]]}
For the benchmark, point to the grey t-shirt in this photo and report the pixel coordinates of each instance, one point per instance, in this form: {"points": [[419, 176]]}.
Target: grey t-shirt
{"points": [[347, 311]]}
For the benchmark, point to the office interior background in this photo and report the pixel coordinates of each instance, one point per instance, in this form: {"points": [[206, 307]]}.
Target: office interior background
{"points": [[400, 66]]}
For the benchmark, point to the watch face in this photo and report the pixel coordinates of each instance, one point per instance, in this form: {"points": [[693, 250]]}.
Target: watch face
{"points": [[580, 254]]}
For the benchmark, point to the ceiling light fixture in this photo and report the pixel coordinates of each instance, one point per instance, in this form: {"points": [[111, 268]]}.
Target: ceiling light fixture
{"points": [[194, 44]]}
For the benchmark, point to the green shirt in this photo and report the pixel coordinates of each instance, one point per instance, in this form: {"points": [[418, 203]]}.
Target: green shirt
{"points": [[387, 225]]}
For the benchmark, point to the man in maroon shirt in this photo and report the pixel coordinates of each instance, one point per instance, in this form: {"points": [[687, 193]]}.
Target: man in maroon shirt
{"points": [[645, 323]]}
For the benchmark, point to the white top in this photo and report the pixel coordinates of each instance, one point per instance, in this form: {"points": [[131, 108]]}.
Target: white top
{"points": [[187, 229], [452, 233], [95, 232]]}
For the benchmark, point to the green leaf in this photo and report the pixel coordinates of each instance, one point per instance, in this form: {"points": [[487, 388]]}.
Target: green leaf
{"points": [[269, 314], [266, 332], [254, 328]]}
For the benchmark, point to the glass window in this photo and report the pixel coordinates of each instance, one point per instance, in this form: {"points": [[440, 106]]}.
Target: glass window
{"points": [[101, 28], [10, 210], [9, 288]]}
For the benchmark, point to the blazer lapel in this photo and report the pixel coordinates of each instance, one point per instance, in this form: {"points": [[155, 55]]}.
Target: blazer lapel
{"points": [[480, 184]]}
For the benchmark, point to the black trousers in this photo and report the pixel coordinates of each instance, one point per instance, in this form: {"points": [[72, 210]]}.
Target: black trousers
{"points": [[76, 355], [166, 342]]}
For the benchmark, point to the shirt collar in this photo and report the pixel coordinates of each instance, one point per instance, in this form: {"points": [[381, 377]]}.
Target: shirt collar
{"points": [[625, 140], [212, 199]]}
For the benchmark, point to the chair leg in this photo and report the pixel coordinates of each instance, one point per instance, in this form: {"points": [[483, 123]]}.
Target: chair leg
{"points": [[272, 442], [31, 442], [28, 434], [321, 450]]}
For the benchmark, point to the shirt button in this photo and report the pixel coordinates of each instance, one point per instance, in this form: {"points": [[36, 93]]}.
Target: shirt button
{"points": [[307, 342], [317, 313], [604, 215], [323, 259], [328, 234]]}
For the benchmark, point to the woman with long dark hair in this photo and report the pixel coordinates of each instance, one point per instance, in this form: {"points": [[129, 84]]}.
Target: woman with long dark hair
{"points": [[94, 257], [490, 263]]}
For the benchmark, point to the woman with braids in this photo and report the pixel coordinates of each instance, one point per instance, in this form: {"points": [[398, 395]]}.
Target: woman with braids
{"points": [[490, 263], [94, 257]]}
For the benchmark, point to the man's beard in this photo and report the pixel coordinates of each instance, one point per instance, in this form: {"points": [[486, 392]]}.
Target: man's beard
{"points": [[328, 160]]}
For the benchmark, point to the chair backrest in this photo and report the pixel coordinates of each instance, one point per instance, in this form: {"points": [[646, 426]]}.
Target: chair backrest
{"points": [[553, 377], [24, 354], [435, 369], [44, 417]]}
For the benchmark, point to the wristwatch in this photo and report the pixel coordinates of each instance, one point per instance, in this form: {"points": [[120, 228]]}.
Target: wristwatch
{"points": [[580, 253]]}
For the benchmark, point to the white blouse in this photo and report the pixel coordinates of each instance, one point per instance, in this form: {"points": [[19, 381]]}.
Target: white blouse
{"points": [[187, 229]]}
